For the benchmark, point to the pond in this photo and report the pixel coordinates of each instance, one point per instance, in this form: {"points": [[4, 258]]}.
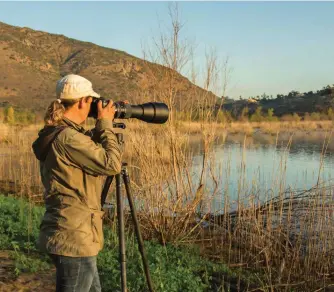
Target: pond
{"points": [[260, 170]]}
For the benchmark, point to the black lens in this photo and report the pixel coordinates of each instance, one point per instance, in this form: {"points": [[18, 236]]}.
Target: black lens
{"points": [[151, 112]]}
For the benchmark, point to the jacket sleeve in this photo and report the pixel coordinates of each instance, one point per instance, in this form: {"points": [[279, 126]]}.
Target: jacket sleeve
{"points": [[102, 158]]}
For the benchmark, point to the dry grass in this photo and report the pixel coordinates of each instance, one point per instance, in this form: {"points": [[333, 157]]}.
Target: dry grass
{"points": [[249, 128], [290, 238]]}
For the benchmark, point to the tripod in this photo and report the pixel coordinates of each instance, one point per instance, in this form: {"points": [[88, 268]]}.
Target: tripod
{"points": [[120, 216]]}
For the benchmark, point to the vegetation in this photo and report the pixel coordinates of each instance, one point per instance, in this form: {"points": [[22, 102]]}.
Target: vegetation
{"points": [[172, 268], [11, 116]]}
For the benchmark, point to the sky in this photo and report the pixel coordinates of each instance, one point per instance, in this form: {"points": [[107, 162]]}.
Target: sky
{"points": [[272, 47]]}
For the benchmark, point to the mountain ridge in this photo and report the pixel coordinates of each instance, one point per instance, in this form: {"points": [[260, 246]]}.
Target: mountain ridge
{"points": [[32, 62]]}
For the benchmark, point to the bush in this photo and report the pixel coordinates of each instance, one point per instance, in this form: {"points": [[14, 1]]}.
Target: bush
{"points": [[330, 114], [291, 118], [244, 115], [257, 116], [224, 117], [315, 116], [270, 116], [10, 115]]}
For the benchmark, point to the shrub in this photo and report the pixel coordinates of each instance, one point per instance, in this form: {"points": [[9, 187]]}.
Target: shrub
{"points": [[291, 118], [224, 117], [10, 115], [244, 115], [257, 116], [270, 116], [315, 116], [330, 114]]}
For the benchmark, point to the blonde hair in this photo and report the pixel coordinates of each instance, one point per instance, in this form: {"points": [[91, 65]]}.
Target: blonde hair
{"points": [[55, 112]]}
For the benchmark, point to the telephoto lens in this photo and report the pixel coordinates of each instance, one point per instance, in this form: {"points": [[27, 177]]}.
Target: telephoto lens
{"points": [[151, 112]]}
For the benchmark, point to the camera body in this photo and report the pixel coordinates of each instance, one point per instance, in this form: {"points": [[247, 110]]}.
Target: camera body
{"points": [[151, 112]]}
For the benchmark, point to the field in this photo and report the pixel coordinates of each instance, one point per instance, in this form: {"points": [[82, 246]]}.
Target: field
{"points": [[281, 242]]}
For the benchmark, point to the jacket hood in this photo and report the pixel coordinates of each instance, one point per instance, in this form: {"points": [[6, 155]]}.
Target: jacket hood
{"points": [[43, 143]]}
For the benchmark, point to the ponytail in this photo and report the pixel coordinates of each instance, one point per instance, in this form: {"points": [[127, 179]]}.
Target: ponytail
{"points": [[55, 112]]}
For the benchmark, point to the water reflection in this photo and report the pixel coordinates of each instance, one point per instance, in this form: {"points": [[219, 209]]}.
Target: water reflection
{"points": [[256, 170]]}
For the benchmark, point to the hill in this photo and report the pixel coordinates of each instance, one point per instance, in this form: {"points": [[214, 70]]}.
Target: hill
{"points": [[294, 102], [32, 61]]}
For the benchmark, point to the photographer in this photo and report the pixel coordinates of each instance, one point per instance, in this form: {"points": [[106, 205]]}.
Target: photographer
{"points": [[71, 165]]}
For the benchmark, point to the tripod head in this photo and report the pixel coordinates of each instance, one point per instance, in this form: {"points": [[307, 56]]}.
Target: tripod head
{"points": [[119, 125], [119, 136]]}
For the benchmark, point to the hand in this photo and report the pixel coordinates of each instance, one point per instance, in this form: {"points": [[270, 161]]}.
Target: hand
{"points": [[107, 112]]}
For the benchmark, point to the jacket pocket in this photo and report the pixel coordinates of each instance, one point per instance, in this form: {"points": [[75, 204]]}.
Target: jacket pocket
{"points": [[96, 223]]}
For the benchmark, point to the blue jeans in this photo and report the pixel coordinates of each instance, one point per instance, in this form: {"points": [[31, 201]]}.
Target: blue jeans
{"points": [[76, 274]]}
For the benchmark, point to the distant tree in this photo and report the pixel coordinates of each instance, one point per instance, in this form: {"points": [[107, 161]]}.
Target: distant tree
{"points": [[264, 96], [293, 93], [326, 91], [2, 115], [31, 117], [315, 116], [296, 117], [224, 117], [10, 115], [257, 116], [244, 115], [291, 118], [330, 114]]}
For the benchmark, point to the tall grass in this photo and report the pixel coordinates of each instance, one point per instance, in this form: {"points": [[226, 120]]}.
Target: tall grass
{"points": [[288, 235]]}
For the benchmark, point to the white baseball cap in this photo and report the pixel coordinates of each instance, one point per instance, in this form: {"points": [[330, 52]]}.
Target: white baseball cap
{"points": [[74, 87]]}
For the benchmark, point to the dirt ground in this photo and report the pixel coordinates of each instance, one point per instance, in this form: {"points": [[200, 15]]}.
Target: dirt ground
{"points": [[42, 281]]}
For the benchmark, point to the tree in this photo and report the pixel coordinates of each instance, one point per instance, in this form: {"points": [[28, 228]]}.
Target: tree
{"points": [[264, 96], [293, 93], [10, 115], [330, 114], [2, 115], [257, 116], [244, 114]]}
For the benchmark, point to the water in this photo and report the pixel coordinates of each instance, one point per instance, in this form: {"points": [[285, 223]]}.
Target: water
{"points": [[261, 170]]}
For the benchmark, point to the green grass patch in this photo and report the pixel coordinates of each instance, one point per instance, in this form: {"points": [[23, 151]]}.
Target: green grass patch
{"points": [[172, 268]]}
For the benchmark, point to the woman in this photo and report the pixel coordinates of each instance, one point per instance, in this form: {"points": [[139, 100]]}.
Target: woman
{"points": [[71, 163]]}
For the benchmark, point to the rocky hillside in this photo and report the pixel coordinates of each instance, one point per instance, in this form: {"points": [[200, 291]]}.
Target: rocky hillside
{"points": [[31, 62]]}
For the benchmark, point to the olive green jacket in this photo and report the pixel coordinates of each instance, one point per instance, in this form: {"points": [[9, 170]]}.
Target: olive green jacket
{"points": [[71, 167]]}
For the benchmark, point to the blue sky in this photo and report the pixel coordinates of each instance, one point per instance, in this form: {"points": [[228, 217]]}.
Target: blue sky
{"points": [[273, 47]]}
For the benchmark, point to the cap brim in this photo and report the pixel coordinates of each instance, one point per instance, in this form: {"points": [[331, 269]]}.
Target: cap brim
{"points": [[94, 94]]}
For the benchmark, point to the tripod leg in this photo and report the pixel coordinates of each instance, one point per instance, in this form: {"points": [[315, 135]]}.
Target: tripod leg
{"points": [[105, 190], [121, 233], [126, 180]]}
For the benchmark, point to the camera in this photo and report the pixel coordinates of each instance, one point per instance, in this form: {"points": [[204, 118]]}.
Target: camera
{"points": [[151, 112]]}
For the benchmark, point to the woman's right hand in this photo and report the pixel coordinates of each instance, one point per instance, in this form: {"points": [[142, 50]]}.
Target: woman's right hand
{"points": [[107, 112]]}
